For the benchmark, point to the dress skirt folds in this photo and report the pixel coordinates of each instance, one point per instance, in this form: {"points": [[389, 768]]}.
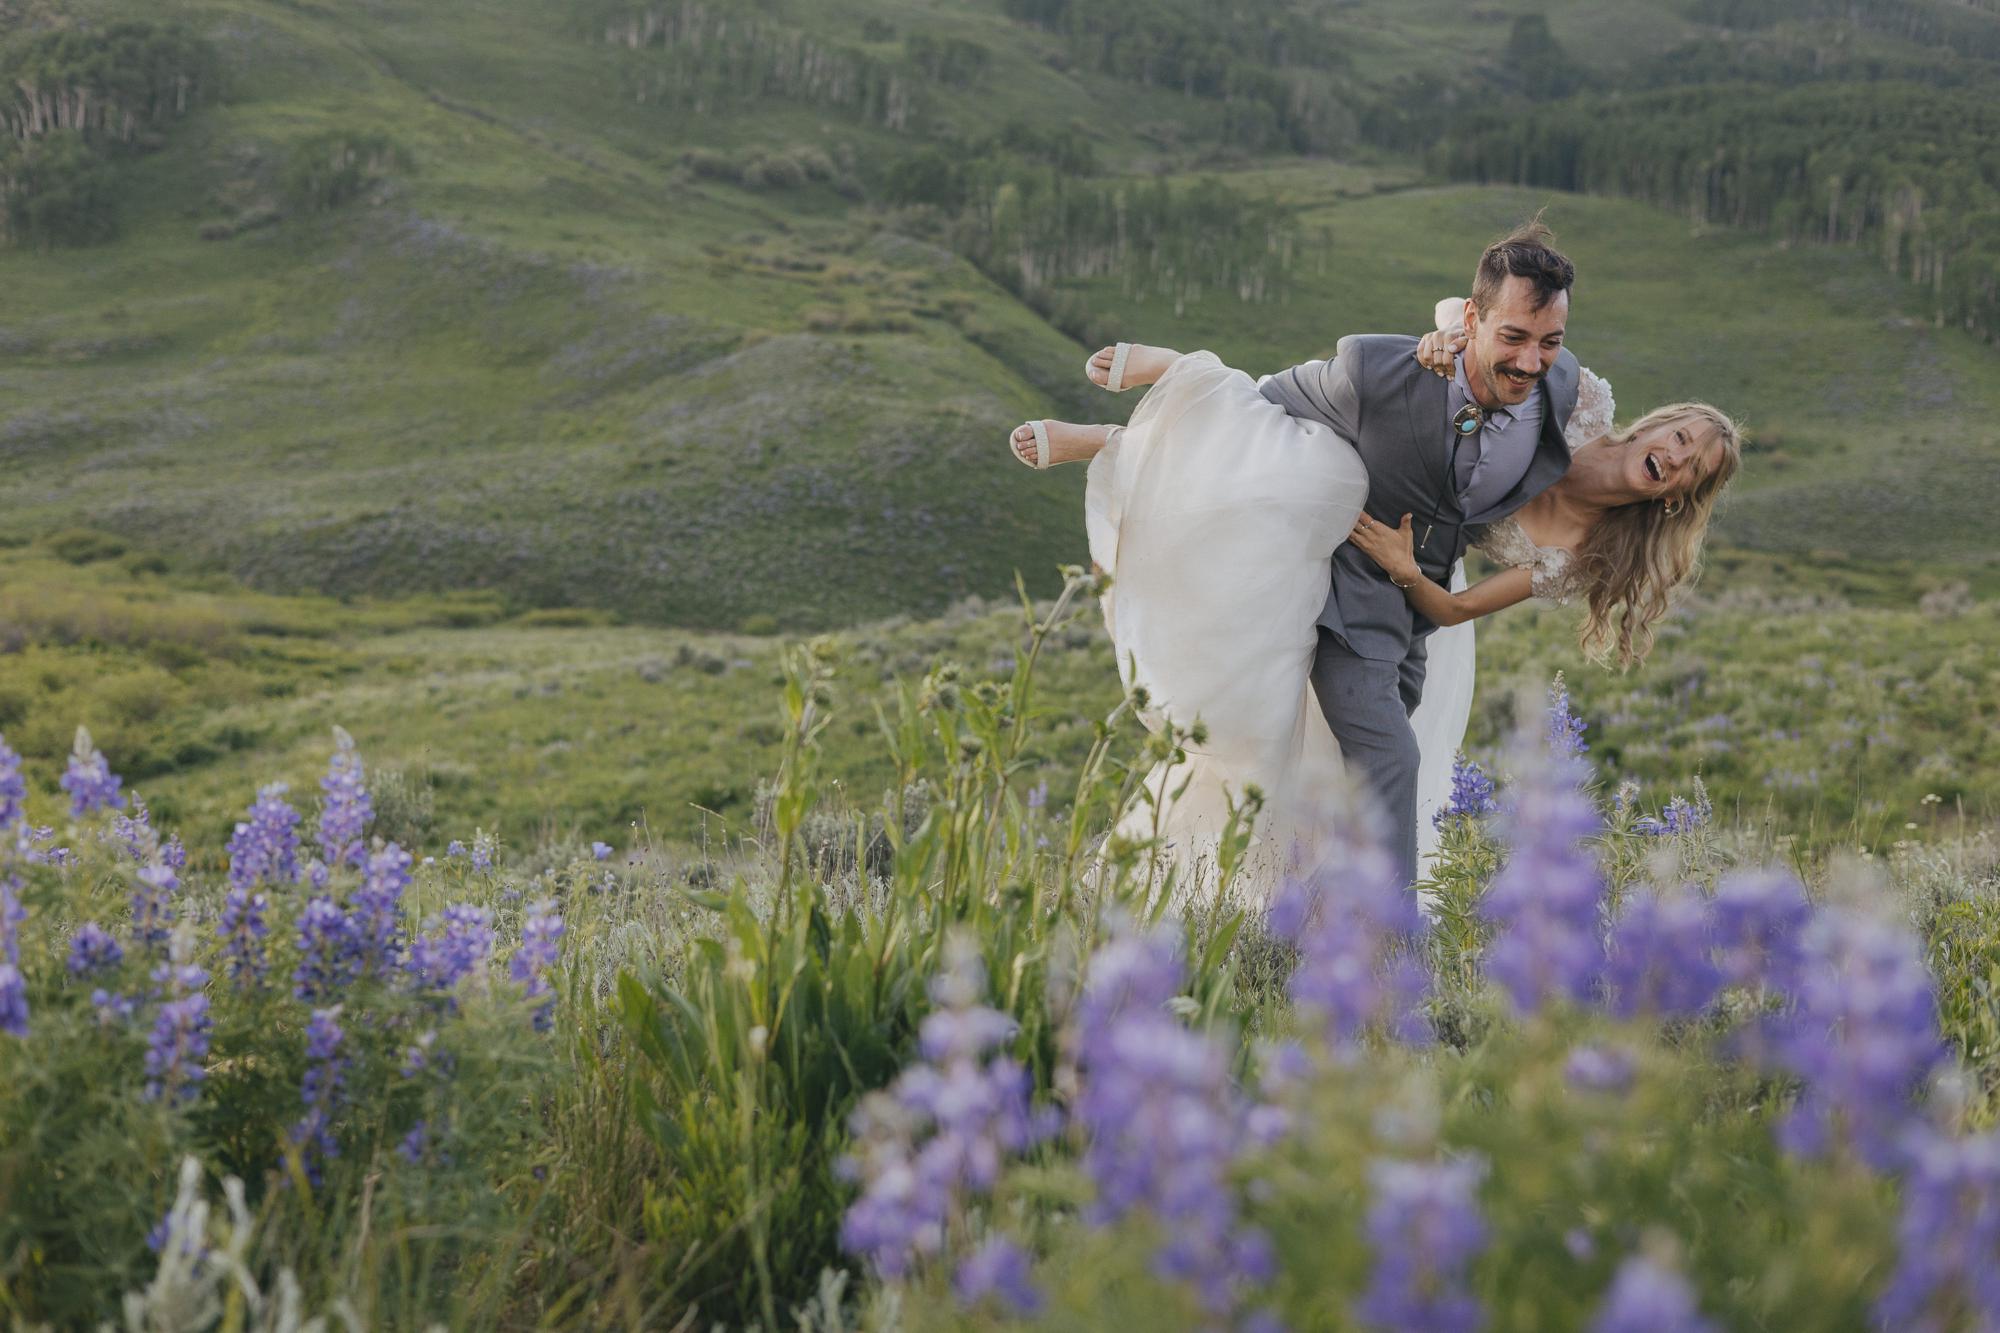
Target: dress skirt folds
{"points": [[1216, 515]]}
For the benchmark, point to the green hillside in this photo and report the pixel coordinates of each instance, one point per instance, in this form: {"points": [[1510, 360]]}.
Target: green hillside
{"points": [[575, 304]]}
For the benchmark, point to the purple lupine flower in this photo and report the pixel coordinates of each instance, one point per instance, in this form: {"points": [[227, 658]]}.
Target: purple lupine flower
{"points": [[264, 849], [1647, 1298], [1949, 1236], [1038, 795], [112, 1007], [1164, 1123], [345, 807], [1353, 918], [600, 851], [176, 1048], [1863, 1038], [455, 850], [484, 847], [997, 1269], [328, 951], [1471, 792], [174, 853], [1679, 815], [376, 909], [13, 789], [1760, 918], [92, 949], [135, 832], [416, 1144], [323, 1090], [243, 928], [541, 935], [1599, 1068], [13, 1001], [1657, 960], [1425, 1228], [417, 1057], [12, 914], [1544, 903], [1565, 731], [440, 961], [153, 903], [940, 1132], [34, 845], [89, 780]]}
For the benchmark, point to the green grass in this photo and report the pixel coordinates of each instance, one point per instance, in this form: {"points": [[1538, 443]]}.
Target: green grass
{"points": [[1833, 710]]}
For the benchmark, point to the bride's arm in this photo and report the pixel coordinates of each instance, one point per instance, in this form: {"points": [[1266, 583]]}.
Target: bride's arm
{"points": [[1391, 548]]}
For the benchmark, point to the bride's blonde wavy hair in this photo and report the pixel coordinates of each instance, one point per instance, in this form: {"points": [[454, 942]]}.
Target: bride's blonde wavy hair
{"points": [[1638, 556]]}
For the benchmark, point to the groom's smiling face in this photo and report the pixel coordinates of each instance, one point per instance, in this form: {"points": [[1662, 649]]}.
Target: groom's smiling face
{"points": [[1510, 347]]}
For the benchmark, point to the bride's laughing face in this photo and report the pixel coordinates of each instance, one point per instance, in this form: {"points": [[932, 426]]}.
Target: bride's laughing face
{"points": [[1669, 459]]}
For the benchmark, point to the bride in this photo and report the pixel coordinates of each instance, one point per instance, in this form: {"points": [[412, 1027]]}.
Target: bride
{"points": [[1217, 514]]}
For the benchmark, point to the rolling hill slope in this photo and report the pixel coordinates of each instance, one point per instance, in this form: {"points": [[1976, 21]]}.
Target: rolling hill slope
{"points": [[588, 341]]}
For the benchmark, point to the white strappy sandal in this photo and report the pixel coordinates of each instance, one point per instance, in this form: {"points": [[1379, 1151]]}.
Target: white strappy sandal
{"points": [[1042, 449], [1115, 381]]}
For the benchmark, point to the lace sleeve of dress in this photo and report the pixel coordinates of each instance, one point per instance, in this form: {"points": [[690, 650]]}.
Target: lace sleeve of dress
{"points": [[1551, 572], [1594, 409], [1552, 577]]}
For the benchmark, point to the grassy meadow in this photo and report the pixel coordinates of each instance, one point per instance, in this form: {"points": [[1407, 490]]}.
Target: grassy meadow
{"points": [[604, 842]]}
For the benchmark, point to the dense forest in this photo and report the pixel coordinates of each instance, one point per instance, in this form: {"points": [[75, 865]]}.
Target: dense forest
{"points": [[1827, 122], [70, 99]]}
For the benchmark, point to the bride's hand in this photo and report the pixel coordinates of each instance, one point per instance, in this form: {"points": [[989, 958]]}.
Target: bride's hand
{"points": [[1438, 351], [1392, 548]]}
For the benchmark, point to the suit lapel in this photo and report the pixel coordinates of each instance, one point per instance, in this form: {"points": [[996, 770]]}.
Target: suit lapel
{"points": [[1424, 398]]}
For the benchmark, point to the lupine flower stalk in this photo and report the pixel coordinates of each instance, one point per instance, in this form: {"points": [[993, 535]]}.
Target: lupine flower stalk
{"points": [[1648, 1298], [243, 928], [264, 849], [439, 961], [1163, 1123], [328, 951], [1425, 1228], [13, 790], [1863, 1038], [323, 1091], [1658, 960], [376, 910], [1544, 903], [153, 903], [1352, 918], [937, 1136], [346, 806], [1565, 728], [1471, 792], [92, 949], [89, 780], [1948, 1275], [541, 937], [179, 1040]]}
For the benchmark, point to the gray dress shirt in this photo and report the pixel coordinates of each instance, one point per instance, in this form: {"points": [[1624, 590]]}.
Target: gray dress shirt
{"points": [[1494, 458]]}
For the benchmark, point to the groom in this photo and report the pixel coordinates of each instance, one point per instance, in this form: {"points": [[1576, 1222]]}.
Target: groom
{"points": [[1453, 454]]}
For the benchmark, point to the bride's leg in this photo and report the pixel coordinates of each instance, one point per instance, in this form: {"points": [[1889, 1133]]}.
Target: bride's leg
{"points": [[1068, 443], [1143, 364]]}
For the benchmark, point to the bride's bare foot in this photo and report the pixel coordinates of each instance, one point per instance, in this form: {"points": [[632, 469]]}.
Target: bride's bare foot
{"points": [[1068, 442], [1143, 365]]}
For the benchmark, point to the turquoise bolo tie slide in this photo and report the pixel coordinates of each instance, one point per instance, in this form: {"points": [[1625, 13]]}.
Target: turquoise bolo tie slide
{"points": [[1468, 420]]}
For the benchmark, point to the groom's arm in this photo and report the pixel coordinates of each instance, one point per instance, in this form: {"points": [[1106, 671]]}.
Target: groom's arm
{"points": [[1320, 390]]}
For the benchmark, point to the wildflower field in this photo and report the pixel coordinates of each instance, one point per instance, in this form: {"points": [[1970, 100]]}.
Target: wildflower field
{"points": [[907, 1043]]}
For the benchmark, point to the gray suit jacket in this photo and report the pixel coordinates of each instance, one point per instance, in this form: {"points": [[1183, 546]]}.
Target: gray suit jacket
{"points": [[1375, 395]]}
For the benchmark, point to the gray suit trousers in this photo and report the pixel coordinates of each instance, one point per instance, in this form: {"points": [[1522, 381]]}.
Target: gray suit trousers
{"points": [[1368, 705]]}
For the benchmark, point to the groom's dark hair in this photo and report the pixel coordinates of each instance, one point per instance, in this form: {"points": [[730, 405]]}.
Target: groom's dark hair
{"points": [[1528, 252]]}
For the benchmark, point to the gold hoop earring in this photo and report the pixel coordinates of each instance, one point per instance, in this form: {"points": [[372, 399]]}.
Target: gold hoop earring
{"points": [[1670, 508]]}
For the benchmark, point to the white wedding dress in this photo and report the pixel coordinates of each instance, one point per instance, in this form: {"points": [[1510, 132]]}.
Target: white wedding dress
{"points": [[1217, 514]]}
